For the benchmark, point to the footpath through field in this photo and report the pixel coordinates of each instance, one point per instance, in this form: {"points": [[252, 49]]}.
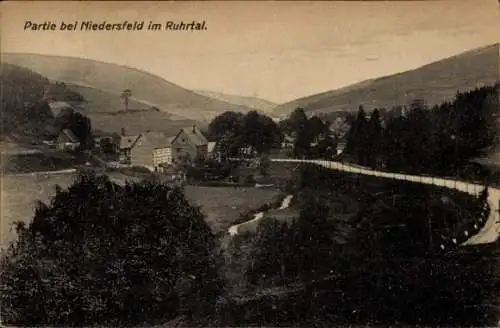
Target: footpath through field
{"points": [[488, 233]]}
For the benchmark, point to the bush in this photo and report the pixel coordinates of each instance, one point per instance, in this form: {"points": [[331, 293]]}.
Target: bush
{"points": [[105, 254], [302, 249]]}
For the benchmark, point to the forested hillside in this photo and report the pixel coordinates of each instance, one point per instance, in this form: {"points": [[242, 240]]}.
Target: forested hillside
{"points": [[22, 89], [24, 100], [420, 138]]}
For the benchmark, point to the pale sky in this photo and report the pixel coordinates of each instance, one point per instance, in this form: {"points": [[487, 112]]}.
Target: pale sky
{"points": [[274, 50]]}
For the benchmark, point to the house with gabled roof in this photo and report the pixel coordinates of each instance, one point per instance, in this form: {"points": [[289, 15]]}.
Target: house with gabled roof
{"points": [[127, 142], [157, 151], [67, 141], [189, 144], [150, 149]]}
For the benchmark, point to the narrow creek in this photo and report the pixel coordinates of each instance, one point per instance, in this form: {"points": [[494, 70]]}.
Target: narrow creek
{"points": [[233, 230]]}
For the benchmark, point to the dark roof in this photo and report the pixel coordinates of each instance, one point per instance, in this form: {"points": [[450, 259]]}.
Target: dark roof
{"points": [[195, 136], [127, 142], [56, 107], [70, 135], [157, 139]]}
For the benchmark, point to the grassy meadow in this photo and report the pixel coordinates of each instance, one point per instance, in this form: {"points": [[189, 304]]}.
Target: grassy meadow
{"points": [[221, 205], [19, 195]]}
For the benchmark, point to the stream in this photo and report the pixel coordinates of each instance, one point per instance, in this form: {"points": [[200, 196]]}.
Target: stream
{"points": [[233, 230]]}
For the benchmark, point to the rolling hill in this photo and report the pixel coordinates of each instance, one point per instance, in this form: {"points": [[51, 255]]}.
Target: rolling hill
{"points": [[106, 112], [101, 101], [112, 79], [434, 83], [250, 102]]}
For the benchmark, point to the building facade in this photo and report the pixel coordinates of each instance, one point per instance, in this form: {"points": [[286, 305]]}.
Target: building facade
{"points": [[151, 150], [189, 144]]}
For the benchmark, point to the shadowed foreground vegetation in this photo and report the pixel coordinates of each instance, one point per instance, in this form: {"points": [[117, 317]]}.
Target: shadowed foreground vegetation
{"points": [[140, 254], [382, 265], [100, 253]]}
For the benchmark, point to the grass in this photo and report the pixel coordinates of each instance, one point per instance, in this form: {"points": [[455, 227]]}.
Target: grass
{"points": [[43, 161], [19, 194], [138, 122], [223, 205]]}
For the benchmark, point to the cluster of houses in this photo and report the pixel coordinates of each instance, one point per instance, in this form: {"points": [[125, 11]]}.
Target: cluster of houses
{"points": [[156, 151]]}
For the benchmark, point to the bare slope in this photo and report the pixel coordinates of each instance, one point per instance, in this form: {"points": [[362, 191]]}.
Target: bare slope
{"points": [[113, 78], [251, 102], [434, 82], [106, 112], [101, 101]]}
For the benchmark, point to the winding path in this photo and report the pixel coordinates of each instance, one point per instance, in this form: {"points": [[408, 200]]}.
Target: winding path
{"points": [[488, 233]]}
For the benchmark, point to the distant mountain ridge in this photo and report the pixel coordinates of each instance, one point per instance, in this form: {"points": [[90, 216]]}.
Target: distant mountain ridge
{"points": [[112, 78], [251, 102], [434, 82]]}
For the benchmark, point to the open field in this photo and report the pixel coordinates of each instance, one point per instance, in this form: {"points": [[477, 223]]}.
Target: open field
{"points": [[11, 148], [19, 194], [39, 161], [221, 205]]}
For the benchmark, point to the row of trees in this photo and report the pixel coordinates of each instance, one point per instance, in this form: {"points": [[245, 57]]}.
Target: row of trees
{"points": [[431, 139], [311, 136]]}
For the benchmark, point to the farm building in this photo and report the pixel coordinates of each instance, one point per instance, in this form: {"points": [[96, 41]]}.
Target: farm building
{"points": [[215, 152], [67, 141], [127, 142], [188, 144], [288, 141], [156, 151], [149, 149]]}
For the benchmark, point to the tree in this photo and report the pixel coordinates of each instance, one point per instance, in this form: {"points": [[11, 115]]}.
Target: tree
{"points": [[227, 123], [357, 138], [80, 125], [269, 251], [312, 130], [374, 139], [126, 94], [264, 165], [101, 253], [259, 131], [297, 120]]}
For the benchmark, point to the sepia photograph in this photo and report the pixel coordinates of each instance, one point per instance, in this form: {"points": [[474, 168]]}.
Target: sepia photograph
{"points": [[250, 164]]}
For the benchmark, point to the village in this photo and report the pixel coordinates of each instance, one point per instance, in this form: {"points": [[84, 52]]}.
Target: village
{"points": [[167, 155], [305, 165]]}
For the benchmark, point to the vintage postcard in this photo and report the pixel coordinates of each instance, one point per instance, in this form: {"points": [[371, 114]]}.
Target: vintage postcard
{"points": [[252, 163]]}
